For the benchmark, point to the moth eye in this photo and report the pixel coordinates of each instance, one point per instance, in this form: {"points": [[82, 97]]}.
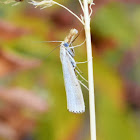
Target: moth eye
{"points": [[66, 44]]}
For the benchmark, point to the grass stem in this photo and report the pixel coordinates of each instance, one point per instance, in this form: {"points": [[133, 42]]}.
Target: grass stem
{"points": [[90, 71]]}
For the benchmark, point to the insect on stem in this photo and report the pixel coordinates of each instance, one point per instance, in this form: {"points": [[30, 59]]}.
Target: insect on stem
{"points": [[75, 100]]}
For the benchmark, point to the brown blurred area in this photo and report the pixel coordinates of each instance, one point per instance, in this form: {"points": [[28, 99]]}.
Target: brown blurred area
{"points": [[14, 123]]}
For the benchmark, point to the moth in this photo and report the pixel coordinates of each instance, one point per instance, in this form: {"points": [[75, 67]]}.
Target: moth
{"points": [[75, 100]]}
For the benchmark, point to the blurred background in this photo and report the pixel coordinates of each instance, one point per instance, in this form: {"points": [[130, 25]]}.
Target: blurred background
{"points": [[32, 92]]}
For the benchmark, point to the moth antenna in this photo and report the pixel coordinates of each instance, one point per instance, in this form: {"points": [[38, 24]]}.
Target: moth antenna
{"points": [[47, 41], [52, 50], [50, 41]]}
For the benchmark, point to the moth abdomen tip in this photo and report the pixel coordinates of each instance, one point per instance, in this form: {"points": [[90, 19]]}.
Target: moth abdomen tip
{"points": [[77, 112]]}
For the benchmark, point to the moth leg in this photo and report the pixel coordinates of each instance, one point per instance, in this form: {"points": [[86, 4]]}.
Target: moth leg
{"points": [[72, 60], [79, 70], [70, 51], [82, 78], [83, 85], [80, 75], [83, 62], [79, 44]]}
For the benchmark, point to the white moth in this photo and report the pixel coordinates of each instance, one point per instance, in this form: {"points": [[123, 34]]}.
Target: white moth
{"points": [[75, 101]]}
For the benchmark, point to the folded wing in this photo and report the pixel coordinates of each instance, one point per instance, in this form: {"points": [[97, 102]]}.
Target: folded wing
{"points": [[75, 101]]}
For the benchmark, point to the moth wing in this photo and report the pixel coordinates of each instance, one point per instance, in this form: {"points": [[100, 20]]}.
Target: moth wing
{"points": [[75, 101]]}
